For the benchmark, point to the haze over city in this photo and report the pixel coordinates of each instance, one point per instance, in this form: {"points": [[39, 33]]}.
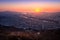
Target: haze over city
{"points": [[29, 19]]}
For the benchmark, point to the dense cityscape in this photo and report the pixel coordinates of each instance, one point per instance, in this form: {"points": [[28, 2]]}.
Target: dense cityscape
{"points": [[18, 26]]}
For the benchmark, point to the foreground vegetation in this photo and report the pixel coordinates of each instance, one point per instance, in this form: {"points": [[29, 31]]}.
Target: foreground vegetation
{"points": [[8, 33]]}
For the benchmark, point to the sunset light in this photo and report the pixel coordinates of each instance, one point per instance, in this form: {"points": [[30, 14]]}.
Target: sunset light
{"points": [[30, 6], [29, 19], [37, 10]]}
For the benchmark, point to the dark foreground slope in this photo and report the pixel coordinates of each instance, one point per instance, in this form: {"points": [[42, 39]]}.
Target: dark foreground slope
{"points": [[12, 33]]}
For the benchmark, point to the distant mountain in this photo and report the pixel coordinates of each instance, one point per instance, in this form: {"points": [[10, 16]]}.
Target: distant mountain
{"points": [[27, 21]]}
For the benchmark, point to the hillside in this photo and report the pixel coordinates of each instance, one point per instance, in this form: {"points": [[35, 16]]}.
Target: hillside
{"points": [[13, 33]]}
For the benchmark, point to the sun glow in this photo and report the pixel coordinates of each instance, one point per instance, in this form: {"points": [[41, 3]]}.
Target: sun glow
{"points": [[37, 10]]}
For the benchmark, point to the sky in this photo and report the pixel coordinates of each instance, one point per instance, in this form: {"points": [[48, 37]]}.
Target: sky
{"points": [[30, 5]]}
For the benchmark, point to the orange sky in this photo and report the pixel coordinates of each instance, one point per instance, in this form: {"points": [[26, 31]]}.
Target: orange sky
{"points": [[30, 7]]}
